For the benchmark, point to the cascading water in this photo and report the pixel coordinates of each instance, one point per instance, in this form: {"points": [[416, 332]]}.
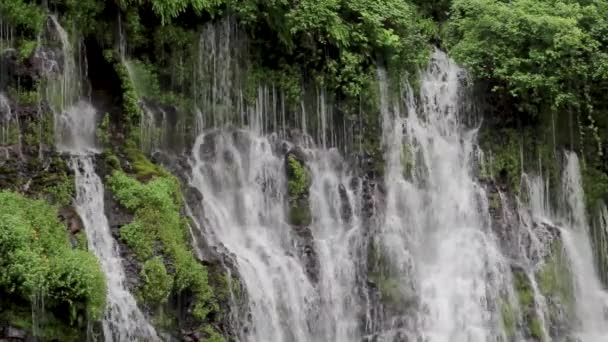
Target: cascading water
{"points": [[241, 181], [437, 227], [123, 321], [588, 321], [590, 298], [75, 127], [338, 232]]}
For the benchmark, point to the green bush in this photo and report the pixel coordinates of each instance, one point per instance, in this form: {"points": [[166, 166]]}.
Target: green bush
{"points": [[159, 227], [36, 257], [157, 283], [298, 177]]}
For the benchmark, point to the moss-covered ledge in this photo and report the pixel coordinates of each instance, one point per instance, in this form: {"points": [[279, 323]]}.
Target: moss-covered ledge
{"points": [[158, 236]]}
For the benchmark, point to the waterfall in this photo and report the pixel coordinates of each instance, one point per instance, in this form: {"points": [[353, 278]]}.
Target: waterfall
{"points": [[437, 227], [123, 321], [242, 184], [75, 127], [590, 298], [338, 231], [242, 181]]}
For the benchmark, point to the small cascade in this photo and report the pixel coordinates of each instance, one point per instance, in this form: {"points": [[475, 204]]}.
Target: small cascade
{"points": [[338, 233], [241, 181], [591, 299], [291, 298], [123, 321], [600, 238], [65, 89], [218, 86], [75, 128], [6, 116], [7, 42], [437, 226]]}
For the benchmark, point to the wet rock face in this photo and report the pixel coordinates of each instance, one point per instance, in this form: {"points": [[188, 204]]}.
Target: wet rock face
{"points": [[12, 334], [305, 247]]}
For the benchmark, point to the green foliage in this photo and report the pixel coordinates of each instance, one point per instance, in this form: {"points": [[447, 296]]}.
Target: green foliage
{"points": [[595, 184], [536, 328], [298, 177], [523, 289], [541, 52], [25, 97], [144, 78], [555, 282], [509, 318], [143, 167], [385, 276], [130, 103], [36, 257], [157, 283], [103, 130], [24, 15], [211, 335], [27, 48], [503, 156], [170, 9], [298, 182], [62, 192], [158, 225]]}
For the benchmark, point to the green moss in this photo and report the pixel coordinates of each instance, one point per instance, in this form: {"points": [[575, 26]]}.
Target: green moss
{"points": [[298, 183], [536, 328], [595, 184], [211, 335], [144, 169], [503, 154], [27, 48], [524, 290], [159, 227], [138, 239], [157, 283], [62, 192], [555, 281], [111, 160], [386, 278], [24, 97], [103, 130], [81, 241], [509, 318], [298, 177], [36, 257], [130, 102], [300, 214], [407, 161]]}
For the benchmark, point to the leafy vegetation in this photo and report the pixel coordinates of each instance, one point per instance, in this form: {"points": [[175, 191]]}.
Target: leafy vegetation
{"points": [[36, 259], [298, 182], [158, 226]]}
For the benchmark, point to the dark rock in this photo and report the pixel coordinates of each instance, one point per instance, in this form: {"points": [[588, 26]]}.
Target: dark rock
{"points": [[69, 215], [14, 334], [305, 246]]}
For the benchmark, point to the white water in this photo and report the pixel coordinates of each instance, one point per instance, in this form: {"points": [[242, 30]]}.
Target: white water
{"points": [[75, 126], [590, 298], [437, 226], [338, 233], [123, 321], [242, 184]]}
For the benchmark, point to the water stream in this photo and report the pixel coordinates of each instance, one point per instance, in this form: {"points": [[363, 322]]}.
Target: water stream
{"points": [[75, 128]]}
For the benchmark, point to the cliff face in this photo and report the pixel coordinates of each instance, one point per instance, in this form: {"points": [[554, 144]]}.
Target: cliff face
{"points": [[301, 171]]}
